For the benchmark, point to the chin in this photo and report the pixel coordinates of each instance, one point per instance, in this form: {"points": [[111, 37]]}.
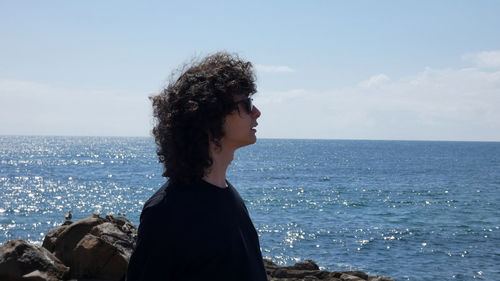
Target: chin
{"points": [[249, 142], [253, 139]]}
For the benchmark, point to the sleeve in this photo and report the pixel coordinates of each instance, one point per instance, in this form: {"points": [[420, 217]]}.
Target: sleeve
{"points": [[150, 259]]}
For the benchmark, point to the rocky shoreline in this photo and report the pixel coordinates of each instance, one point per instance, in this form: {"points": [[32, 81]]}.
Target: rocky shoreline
{"points": [[98, 249]]}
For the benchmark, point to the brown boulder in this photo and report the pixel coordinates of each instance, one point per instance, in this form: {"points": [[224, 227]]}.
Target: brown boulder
{"points": [[20, 260], [120, 236], [306, 265], [94, 247], [348, 277], [293, 273], [308, 270], [95, 257], [67, 239], [380, 278], [98, 249], [49, 242]]}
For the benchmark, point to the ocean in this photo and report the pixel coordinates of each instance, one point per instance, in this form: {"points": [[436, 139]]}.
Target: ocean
{"points": [[411, 210]]}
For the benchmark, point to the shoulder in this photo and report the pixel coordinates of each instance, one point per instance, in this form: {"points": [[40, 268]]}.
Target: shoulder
{"points": [[156, 200], [160, 213], [159, 201], [171, 198]]}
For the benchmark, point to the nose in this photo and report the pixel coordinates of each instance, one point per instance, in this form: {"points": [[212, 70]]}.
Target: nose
{"points": [[255, 112]]}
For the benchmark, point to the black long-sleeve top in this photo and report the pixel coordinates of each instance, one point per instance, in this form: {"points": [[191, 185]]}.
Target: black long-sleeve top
{"points": [[196, 232]]}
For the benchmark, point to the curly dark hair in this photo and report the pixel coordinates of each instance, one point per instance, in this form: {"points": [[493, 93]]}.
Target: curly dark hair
{"points": [[190, 112]]}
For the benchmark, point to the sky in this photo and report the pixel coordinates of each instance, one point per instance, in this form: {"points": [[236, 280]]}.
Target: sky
{"points": [[382, 70]]}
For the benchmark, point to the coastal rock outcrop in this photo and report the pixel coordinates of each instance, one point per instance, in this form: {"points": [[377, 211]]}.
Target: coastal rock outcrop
{"points": [[96, 248], [20, 260], [308, 270]]}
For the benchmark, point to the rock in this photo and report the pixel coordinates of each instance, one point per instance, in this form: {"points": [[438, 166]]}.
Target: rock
{"points": [[111, 265], [49, 242], [117, 236], [98, 249], [270, 266], [306, 265], [293, 273], [356, 273], [380, 278], [94, 247], [347, 277], [309, 270], [300, 271], [36, 275], [20, 260], [66, 241]]}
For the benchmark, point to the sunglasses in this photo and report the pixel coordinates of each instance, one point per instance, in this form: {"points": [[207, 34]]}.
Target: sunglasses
{"points": [[247, 103]]}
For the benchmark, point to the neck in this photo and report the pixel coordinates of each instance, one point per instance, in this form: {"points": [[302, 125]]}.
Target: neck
{"points": [[216, 174]]}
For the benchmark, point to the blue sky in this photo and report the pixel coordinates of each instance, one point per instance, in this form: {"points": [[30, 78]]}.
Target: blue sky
{"points": [[411, 70]]}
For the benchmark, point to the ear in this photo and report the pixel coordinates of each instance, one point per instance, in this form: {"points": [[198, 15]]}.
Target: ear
{"points": [[214, 143]]}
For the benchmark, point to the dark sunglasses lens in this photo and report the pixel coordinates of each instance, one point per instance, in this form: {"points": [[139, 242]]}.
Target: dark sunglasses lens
{"points": [[249, 105]]}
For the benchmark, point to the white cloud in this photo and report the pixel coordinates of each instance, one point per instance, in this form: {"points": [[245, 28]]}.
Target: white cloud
{"points": [[30, 108], [484, 59], [374, 81], [273, 68], [434, 104], [277, 97]]}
